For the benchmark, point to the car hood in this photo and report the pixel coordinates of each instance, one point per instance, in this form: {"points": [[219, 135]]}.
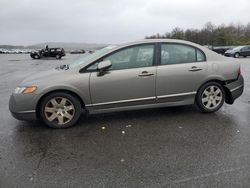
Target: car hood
{"points": [[36, 51], [45, 77], [232, 50], [229, 51]]}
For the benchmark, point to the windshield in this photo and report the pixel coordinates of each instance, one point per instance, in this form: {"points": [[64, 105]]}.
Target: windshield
{"points": [[89, 57]]}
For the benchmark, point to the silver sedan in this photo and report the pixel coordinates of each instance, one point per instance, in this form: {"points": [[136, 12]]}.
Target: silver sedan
{"points": [[144, 74]]}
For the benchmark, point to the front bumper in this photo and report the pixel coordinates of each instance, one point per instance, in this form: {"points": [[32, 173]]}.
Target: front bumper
{"points": [[33, 54], [26, 116], [23, 106], [228, 54], [234, 89]]}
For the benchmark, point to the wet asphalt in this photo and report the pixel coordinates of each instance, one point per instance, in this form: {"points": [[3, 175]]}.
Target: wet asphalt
{"points": [[167, 147]]}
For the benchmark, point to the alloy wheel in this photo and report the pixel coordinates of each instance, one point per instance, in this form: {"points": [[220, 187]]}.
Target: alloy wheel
{"points": [[212, 97], [237, 55], [60, 110]]}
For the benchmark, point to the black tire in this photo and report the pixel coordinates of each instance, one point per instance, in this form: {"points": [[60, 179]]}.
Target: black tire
{"points": [[244, 56], [55, 123], [236, 55], [200, 95], [58, 56], [36, 57]]}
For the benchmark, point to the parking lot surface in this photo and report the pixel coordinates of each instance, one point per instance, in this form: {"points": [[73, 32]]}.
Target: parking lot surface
{"points": [[166, 147]]}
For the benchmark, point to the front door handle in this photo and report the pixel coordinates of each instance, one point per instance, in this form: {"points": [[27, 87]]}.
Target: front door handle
{"points": [[194, 69], [145, 74]]}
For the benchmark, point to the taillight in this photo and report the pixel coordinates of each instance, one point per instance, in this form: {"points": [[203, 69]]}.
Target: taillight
{"points": [[238, 72]]}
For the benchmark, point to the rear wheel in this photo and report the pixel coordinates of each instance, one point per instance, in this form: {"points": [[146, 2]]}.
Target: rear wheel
{"points": [[60, 110], [210, 97]]}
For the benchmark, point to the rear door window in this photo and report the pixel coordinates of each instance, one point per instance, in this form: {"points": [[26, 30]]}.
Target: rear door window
{"points": [[178, 54]]}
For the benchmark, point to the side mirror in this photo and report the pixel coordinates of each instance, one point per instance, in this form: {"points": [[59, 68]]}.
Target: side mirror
{"points": [[104, 65]]}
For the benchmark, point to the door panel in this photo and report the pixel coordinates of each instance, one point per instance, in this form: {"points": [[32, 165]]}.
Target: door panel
{"points": [[119, 88], [244, 51], [183, 69], [46, 53], [248, 51], [179, 82], [129, 81]]}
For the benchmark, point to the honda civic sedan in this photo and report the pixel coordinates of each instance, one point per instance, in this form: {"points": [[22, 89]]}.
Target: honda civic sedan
{"points": [[138, 75]]}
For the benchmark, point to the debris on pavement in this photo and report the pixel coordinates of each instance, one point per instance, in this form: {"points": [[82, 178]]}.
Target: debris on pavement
{"points": [[123, 132], [122, 160], [238, 131], [128, 126], [103, 128], [31, 176], [180, 127]]}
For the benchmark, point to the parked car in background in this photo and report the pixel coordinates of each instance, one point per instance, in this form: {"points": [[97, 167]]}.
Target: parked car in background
{"points": [[58, 53], [15, 51], [220, 49], [91, 51], [77, 51], [138, 75], [240, 51]]}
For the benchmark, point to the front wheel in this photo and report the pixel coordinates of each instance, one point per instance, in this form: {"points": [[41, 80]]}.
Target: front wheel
{"points": [[210, 97], [236, 55], [60, 110], [58, 57], [36, 57]]}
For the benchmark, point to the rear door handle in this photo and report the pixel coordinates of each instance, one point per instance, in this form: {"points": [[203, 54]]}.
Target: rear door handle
{"points": [[194, 69], [145, 74]]}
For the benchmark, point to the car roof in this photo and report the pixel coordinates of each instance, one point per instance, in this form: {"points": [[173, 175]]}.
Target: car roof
{"points": [[145, 41], [211, 55]]}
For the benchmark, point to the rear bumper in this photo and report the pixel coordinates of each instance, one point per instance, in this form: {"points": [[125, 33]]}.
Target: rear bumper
{"points": [[234, 90]]}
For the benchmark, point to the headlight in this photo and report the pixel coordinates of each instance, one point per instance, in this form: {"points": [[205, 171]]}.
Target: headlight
{"points": [[30, 89]]}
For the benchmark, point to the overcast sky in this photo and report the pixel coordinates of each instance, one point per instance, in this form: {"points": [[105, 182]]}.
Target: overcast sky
{"points": [[109, 21]]}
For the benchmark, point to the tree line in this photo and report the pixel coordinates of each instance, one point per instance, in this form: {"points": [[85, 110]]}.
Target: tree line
{"points": [[212, 35]]}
